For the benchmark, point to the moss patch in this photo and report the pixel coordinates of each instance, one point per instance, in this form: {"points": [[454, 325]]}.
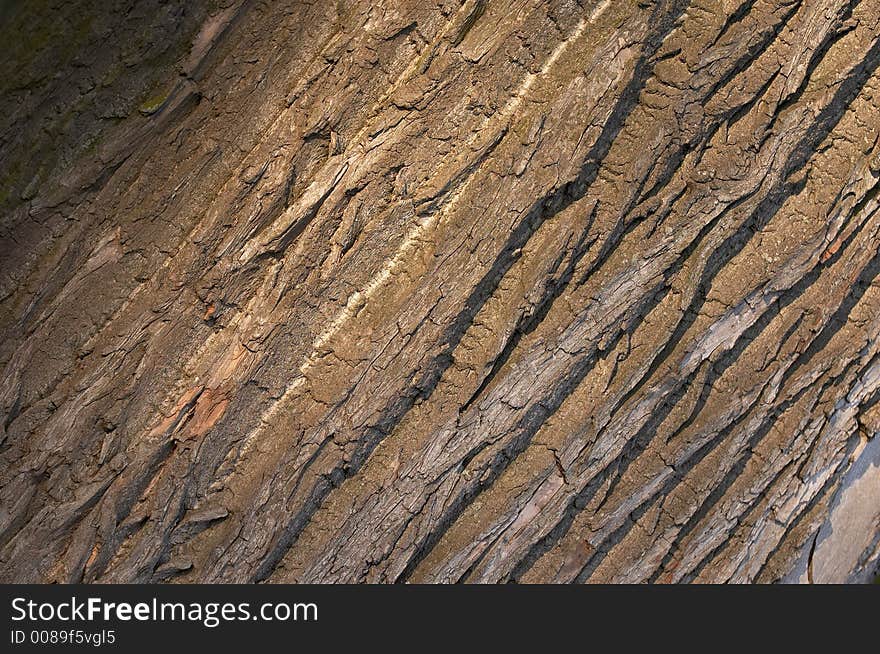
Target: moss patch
{"points": [[153, 103]]}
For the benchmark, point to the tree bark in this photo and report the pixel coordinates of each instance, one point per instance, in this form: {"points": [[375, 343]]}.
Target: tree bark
{"points": [[482, 291]]}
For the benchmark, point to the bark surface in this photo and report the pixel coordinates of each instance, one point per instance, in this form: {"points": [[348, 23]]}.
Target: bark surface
{"points": [[482, 291]]}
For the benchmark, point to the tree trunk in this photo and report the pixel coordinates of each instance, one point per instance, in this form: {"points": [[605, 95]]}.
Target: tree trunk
{"points": [[483, 291]]}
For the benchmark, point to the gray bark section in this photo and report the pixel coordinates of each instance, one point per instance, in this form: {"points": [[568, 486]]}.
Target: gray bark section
{"points": [[483, 291]]}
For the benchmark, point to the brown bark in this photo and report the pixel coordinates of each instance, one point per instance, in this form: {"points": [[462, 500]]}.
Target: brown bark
{"points": [[484, 291]]}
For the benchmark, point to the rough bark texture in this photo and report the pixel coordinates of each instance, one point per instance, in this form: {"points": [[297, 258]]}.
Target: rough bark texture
{"points": [[485, 291]]}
